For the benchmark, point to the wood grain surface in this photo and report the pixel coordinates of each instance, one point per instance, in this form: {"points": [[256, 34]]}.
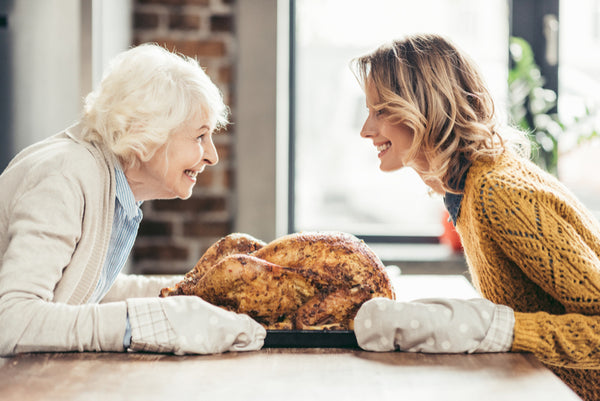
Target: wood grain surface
{"points": [[288, 373], [279, 374]]}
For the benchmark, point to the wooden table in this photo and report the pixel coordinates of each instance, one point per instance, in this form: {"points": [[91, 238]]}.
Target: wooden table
{"points": [[287, 373]]}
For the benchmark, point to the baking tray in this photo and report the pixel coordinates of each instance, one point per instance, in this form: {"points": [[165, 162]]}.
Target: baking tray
{"points": [[310, 339]]}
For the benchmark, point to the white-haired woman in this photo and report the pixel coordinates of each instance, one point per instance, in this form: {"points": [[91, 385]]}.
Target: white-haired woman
{"points": [[69, 214]]}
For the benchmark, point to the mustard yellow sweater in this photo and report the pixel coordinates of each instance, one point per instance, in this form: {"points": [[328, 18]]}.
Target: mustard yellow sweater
{"points": [[531, 245]]}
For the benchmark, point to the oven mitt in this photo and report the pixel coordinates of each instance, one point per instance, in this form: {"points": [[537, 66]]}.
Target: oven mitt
{"points": [[190, 325], [434, 326]]}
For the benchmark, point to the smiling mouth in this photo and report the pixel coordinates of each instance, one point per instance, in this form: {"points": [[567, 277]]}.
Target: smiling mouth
{"points": [[192, 174], [384, 146]]}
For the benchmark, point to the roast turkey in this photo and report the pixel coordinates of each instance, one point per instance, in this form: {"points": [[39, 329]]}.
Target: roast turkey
{"points": [[302, 281]]}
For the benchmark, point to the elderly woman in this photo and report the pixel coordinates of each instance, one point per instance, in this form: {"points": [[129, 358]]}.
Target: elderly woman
{"points": [[70, 210]]}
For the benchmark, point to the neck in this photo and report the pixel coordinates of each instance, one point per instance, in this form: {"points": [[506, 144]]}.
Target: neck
{"points": [[138, 184], [435, 184], [421, 166]]}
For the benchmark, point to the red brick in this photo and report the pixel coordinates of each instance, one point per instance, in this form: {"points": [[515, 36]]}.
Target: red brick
{"points": [[229, 178], [206, 229], [168, 255], [221, 23], [159, 268], [203, 249], [194, 48], [160, 252], [200, 204], [229, 98], [183, 21], [210, 48], [149, 228], [142, 20], [224, 151], [205, 179], [225, 74]]}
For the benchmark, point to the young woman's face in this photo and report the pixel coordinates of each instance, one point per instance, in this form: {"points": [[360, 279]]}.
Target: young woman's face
{"points": [[391, 141], [172, 171]]}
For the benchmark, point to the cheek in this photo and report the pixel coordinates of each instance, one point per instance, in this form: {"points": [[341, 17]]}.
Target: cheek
{"points": [[406, 141], [192, 153], [157, 165], [178, 159], [400, 137]]}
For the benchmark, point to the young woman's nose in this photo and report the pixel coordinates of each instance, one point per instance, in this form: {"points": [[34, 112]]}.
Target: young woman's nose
{"points": [[368, 129]]}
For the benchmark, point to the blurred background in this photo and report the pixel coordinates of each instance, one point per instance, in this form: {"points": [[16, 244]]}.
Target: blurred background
{"points": [[292, 159]]}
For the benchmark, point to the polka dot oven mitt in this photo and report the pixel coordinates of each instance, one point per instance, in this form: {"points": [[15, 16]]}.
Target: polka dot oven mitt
{"points": [[190, 325], [434, 326]]}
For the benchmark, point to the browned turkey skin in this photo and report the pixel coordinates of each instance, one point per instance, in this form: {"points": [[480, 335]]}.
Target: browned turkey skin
{"points": [[307, 281]]}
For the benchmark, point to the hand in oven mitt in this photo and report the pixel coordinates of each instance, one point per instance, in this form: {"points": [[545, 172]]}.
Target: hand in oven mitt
{"points": [[190, 325], [434, 326]]}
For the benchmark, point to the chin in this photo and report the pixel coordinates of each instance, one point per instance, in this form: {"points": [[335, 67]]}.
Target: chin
{"points": [[389, 169], [186, 195]]}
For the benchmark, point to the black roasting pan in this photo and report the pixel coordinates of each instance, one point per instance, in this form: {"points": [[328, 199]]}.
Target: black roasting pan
{"points": [[310, 339]]}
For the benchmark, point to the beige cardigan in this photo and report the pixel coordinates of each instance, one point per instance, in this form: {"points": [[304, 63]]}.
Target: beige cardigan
{"points": [[56, 209]]}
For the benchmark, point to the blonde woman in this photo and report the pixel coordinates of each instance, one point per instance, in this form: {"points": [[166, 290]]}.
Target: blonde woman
{"points": [[70, 210], [532, 248]]}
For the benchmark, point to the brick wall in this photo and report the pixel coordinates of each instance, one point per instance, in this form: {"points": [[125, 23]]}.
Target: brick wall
{"points": [[175, 233]]}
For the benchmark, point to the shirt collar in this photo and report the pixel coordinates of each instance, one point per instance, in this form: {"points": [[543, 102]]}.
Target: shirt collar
{"points": [[453, 201], [125, 195]]}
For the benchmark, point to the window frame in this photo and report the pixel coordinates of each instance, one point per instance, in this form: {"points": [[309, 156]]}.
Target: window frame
{"points": [[265, 119], [527, 21], [260, 115]]}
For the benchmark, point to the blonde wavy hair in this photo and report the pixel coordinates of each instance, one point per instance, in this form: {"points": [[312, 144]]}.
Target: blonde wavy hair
{"points": [[147, 93], [429, 85]]}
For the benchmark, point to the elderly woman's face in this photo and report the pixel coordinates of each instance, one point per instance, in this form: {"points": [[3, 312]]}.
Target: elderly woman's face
{"points": [[172, 171]]}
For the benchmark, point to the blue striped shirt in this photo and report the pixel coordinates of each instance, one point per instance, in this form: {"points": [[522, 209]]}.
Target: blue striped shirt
{"points": [[124, 231]]}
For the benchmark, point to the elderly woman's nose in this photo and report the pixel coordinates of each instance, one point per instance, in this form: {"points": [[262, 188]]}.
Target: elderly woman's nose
{"points": [[211, 156]]}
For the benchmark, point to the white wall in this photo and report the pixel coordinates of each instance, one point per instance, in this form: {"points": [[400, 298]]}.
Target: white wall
{"points": [[57, 57], [261, 120], [45, 66], [112, 32]]}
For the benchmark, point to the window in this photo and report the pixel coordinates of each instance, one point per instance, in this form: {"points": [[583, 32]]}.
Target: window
{"points": [[579, 88], [336, 183]]}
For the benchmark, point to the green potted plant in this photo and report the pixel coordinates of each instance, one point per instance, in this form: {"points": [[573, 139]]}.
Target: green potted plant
{"points": [[532, 108]]}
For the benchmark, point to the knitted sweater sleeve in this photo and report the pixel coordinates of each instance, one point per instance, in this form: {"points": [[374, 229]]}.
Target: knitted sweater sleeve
{"points": [[139, 286], [544, 237], [43, 230]]}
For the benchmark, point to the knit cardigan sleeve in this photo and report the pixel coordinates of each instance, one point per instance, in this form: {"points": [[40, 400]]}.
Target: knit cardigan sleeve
{"points": [[552, 243], [44, 230], [139, 286]]}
